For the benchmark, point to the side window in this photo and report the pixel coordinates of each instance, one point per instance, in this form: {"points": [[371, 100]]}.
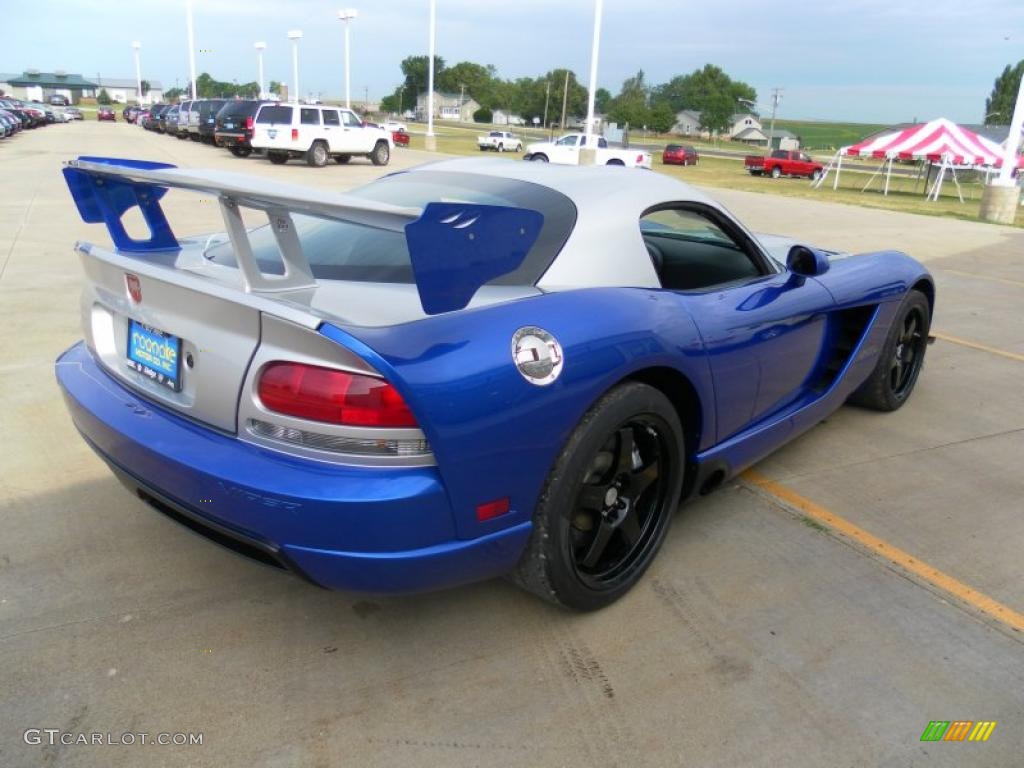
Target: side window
{"points": [[690, 251], [310, 117], [331, 117], [566, 141], [350, 120], [602, 143]]}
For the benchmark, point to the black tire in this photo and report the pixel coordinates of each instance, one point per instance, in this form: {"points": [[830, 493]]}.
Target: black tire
{"points": [[342, 159], [755, 173], [195, 137], [815, 174], [277, 158], [585, 558], [776, 172], [317, 154], [240, 151], [501, 147], [615, 161], [892, 382], [519, 147], [538, 158], [381, 153]]}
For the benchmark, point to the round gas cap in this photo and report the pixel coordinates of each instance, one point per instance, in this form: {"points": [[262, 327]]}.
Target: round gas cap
{"points": [[537, 355]]}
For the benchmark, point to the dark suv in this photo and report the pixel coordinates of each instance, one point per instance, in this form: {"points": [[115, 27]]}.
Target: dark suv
{"points": [[207, 118], [233, 126], [153, 123]]}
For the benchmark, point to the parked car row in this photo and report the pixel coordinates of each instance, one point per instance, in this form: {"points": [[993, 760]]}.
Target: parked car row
{"points": [[316, 133], [17, 115]]}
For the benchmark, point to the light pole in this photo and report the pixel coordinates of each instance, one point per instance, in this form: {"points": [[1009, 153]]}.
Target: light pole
{"points": [[138, 70], [191, 47], [346, 15], [260, 47], [595, 48], [776, 98], [295, 35], [431, 142], [1000, 199]]}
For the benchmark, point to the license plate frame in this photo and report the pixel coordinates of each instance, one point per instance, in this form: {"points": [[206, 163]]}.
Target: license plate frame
{"points": [[154, 359]]}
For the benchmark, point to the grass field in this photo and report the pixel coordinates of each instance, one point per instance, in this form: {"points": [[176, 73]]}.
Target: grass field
{"points": [[905, 193], [817, 135]]}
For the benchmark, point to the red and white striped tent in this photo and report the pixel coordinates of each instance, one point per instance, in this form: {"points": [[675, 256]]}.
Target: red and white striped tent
{"points": [[941, 142]]}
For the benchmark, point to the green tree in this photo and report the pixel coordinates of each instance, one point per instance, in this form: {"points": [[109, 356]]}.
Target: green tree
{"points": [[478, 81], [415, 70], [275, 87], [630, 106], [103, 97], [483, 115], [602, 100], [662, 118], [173, 94], [999, 105], [707, 89], [145, 87]]}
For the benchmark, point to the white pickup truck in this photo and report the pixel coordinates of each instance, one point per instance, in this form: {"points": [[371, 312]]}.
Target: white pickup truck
{"points": [[566, 151], [499, 141]]}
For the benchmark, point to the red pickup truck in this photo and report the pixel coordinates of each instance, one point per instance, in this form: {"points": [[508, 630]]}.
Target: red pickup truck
{"points": [[783, 162]]}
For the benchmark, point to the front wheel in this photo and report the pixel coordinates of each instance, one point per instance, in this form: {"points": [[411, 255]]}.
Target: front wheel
{"points": [[539, 158], [891, 383], [277, 158], [816, 174], [381, 153], [608, 501], [776, 172], [519, 147]]}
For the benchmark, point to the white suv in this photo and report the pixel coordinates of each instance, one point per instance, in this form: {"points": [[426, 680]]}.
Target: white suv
{"points": [[317, 133]]}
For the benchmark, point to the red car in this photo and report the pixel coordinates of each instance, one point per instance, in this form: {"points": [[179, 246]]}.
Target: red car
{"points": [[401, 138], [106, 113], [679, 154]]}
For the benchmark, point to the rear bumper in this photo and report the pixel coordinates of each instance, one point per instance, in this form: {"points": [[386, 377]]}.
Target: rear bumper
{"points": [[360, 528]]}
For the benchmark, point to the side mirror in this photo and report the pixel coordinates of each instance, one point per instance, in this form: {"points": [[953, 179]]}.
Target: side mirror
{"points": [[806, 262]]}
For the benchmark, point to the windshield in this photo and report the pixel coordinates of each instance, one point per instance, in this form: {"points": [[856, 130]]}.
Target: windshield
{"points": [[339, 250]]}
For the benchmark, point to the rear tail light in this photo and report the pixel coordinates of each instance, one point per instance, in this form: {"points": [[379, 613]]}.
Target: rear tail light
{"points": [[248, 123], [639, 158], [331, 396], [295, 134]]}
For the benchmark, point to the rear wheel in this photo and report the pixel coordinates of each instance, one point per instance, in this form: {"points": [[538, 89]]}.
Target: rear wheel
{"points": [[539, 158], [317, 154], [240, 151], [519, 147], [501, 147], [891, 383], [342, 159], [277, 158], [381, 153], [615, 161], [608, 501], [776, 172]]}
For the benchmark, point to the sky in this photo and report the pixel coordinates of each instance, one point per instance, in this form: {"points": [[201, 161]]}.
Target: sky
{"points": [[872, 61]]}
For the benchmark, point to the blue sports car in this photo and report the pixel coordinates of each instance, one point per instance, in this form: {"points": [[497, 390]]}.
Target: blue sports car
{"points": [[471, 369]]}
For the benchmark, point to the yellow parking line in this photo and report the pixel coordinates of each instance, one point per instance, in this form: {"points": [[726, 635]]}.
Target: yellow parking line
{"points": [[1006, 280], [975, 345], [919, 568]]}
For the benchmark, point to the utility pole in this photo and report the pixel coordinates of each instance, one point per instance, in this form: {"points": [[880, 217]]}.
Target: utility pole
{"points": [[191, 47], [431, 142], [594, 50], [776, 98], [547, 98], [462, 98], [366, 98], [565, 98]]}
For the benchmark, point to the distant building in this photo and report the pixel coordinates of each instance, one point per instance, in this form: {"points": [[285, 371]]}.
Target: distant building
{"points": [[687, 123], [500, 117], [447, 106], [33, 85], [126, 90], [742, 127]]}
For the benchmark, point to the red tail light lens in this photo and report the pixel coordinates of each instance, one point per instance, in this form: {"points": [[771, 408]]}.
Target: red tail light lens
{"points": [[335, 397], [295, 134], [248, 123]]}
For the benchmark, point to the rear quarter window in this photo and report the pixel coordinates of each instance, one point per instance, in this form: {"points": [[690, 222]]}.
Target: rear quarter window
{"points": [[310, 116], [275, 115]]}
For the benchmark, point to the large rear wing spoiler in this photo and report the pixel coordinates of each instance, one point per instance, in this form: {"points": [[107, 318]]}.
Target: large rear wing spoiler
{"points": [[455, 248]]}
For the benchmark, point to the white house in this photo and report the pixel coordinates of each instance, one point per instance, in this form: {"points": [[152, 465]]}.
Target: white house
{"points": [[741, 124], [447, 106]]}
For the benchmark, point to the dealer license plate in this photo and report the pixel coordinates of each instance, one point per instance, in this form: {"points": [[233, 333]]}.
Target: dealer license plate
{"points": [[155, 354]]}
